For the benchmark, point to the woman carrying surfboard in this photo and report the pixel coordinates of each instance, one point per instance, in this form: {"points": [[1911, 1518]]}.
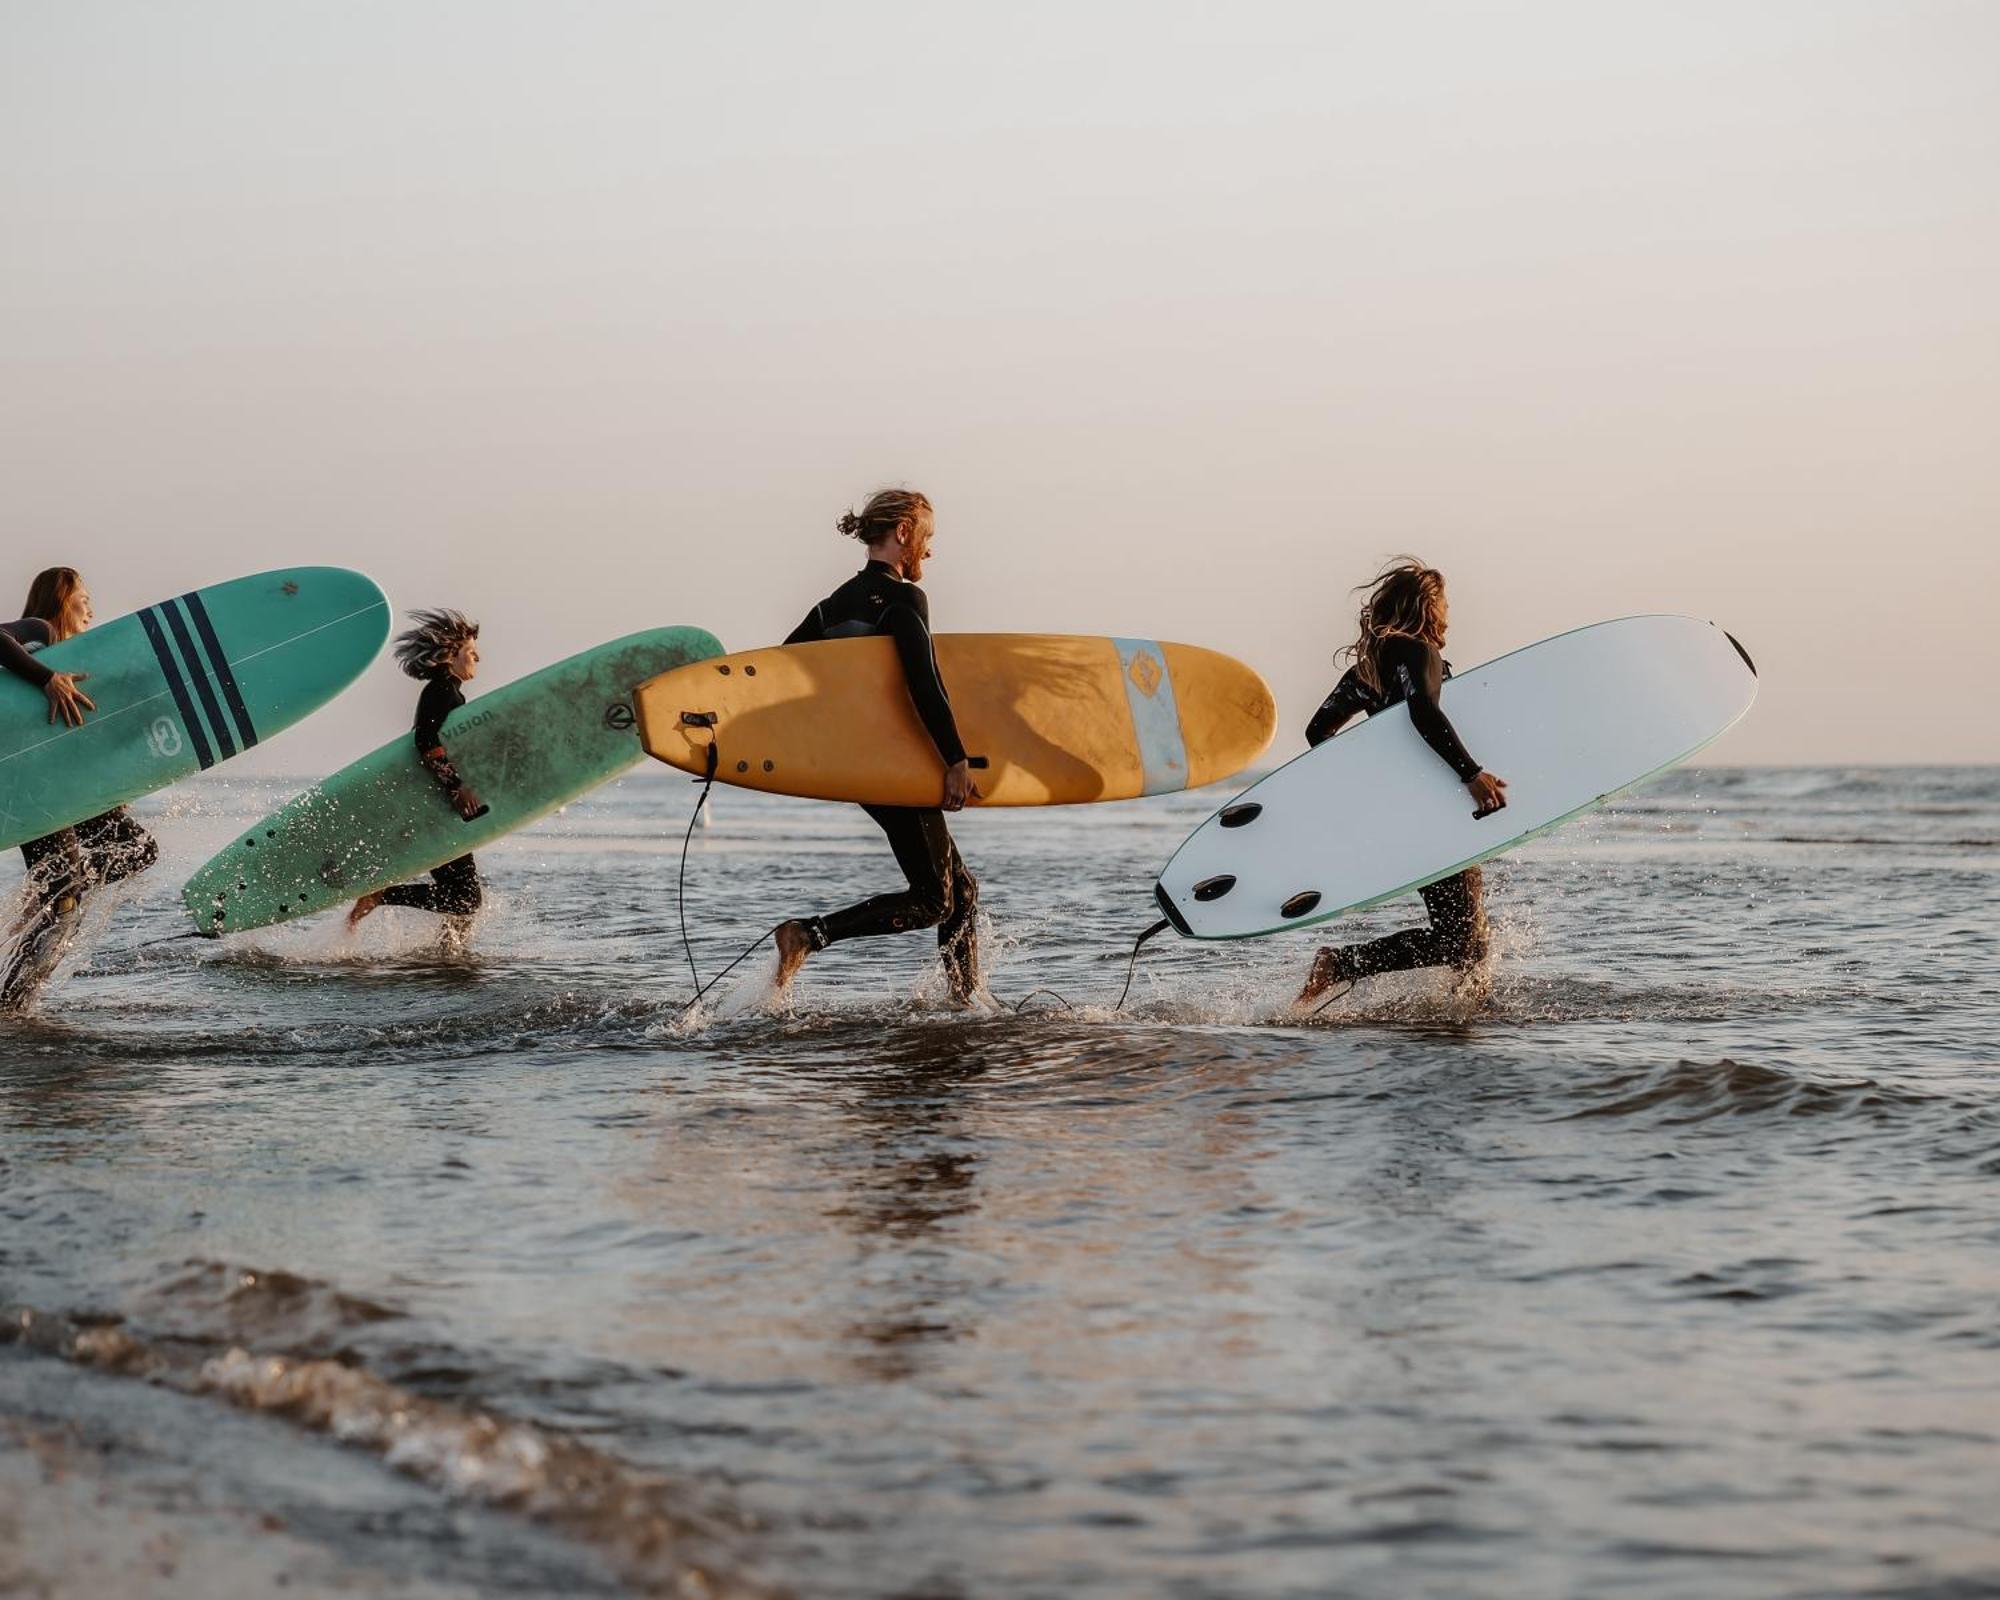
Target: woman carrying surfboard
{"points": [[64, 865], [897, 526], [1398, 660], [442, 650]]}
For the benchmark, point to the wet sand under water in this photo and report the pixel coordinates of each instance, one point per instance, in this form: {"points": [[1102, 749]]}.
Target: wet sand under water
{"points": [[1666, 1268]]}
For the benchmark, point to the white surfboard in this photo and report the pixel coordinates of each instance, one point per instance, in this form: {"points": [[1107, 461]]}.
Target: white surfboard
{"points": [[1373, 812]]}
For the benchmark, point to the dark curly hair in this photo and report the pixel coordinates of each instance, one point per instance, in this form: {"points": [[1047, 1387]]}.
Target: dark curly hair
{"points": [[421, 652]]}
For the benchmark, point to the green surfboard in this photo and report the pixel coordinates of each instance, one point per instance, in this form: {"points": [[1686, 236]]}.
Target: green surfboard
{"points": [[180, 686], [525, 749]]}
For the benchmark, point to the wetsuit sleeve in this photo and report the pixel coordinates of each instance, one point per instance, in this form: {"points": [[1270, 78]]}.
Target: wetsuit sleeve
{"points": [[1419, 671], [1337, 709], [908, 624], [15, 657], [435, 704]]}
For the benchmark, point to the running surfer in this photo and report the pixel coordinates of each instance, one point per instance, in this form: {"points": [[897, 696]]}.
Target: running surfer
{"points": [[442, 650], [65, 865], [897, 527], [1398, 660]]}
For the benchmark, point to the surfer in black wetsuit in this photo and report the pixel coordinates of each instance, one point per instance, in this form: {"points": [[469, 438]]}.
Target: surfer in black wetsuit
{"points": [[64, 865], [1397, 661], [443, 650], [883, 598]]}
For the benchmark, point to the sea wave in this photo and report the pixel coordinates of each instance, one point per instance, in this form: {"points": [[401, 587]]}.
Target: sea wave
{"points": [[665, 1536], [1697, 1091]]}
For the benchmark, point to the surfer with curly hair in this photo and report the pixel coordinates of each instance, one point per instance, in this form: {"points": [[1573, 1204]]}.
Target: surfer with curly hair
{"points": [[1398, 660], [897, 526], [62, 866], [442, 650]]}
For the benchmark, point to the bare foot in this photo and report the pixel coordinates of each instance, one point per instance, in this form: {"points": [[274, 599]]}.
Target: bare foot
{"points": [[794, 945], [1325, 973], [361, 908]]}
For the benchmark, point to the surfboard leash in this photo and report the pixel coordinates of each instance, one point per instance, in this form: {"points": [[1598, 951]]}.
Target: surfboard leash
{"points": [[1132, 966], [1021, 1005], [174, 938], [1346, 988], [749, 950], [707, 781]]}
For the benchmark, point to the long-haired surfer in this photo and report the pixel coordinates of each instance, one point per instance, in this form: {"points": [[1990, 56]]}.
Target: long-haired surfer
{"points": [[62, 866], [58, 607], [1398, 660], [897, 526], [442, 651]]}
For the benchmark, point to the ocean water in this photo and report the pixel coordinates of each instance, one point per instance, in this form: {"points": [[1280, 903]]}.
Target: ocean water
{"points": [[1669, 1266]]}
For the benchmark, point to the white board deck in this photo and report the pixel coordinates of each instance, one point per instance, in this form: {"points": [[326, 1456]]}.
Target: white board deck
{"points": [[1374, 812]]}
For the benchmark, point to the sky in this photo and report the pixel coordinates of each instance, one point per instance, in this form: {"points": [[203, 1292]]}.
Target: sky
{"points": [[593, 317]]}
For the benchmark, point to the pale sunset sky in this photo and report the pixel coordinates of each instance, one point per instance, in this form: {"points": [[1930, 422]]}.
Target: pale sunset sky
{"points": [[587, 317]]}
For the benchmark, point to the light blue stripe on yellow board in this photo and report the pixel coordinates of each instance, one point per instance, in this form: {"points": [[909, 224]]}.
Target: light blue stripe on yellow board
{"points": [[1156, 715]]}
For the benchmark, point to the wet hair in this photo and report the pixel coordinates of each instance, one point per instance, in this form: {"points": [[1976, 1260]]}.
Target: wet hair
{"points": [[49, 598], [423, 650], [1405, 601], [886, 511]]}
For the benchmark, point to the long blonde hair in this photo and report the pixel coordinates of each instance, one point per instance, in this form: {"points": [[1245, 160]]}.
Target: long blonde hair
{"points": [[1405, 601], [51, 599], [886, 511]]}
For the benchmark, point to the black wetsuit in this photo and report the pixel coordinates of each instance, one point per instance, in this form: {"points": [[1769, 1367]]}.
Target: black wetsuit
{"points": [[454, 889], [941, 893], [64, 865], [18, 640], [1413, 674]]}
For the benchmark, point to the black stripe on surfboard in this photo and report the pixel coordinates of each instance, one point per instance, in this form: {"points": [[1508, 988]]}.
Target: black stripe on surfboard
{"points": [[172, 669], [202, 687], [218, 663]]}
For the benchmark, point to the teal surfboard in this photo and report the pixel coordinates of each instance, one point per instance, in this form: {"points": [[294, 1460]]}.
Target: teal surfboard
{"points": [[525, 749], [180, 686]]}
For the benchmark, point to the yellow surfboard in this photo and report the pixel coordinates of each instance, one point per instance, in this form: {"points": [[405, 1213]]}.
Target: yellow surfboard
{"points": [[1056, 719]]}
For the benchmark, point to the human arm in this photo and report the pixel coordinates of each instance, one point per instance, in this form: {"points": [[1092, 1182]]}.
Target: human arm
{"points": [[1418, 670], [439, 699], [17, 659], [1337, 709], [909, 625], [67, 703]]}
